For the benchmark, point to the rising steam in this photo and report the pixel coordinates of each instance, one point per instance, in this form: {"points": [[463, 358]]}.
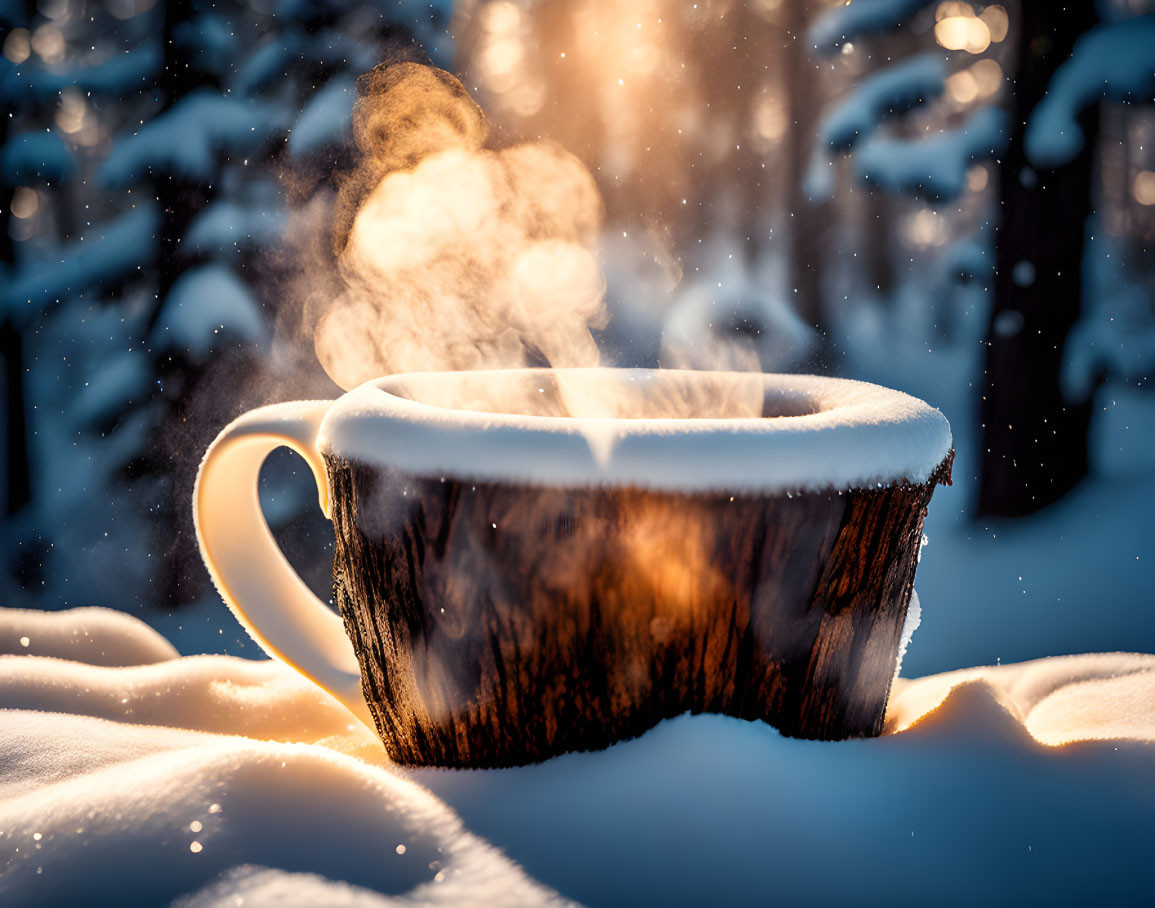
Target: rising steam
{"points": [[451, 255]]}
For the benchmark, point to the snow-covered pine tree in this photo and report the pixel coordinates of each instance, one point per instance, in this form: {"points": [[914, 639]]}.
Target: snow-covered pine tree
{"points": [[63, 248], [1034, 436], [143, 301]]}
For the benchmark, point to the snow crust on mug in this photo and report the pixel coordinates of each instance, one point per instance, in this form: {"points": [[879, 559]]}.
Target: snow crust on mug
{"points": [[734, 431]]}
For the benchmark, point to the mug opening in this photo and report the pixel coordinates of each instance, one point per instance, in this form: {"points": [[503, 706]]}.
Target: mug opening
{"points": [[663, 429], [604, 393]]}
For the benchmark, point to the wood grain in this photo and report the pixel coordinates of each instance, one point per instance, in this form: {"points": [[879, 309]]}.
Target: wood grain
{"points": [[501, 624]]}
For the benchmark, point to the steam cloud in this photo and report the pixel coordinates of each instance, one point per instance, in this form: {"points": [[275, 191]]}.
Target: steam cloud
{"points": [[451, 255]]}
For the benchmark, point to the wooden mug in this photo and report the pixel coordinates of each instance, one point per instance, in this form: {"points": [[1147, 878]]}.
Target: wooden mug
{"points": [[515, 581]]}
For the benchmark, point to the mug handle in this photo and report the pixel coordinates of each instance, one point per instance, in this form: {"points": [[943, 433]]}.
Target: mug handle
{"points": [[252, 575]]}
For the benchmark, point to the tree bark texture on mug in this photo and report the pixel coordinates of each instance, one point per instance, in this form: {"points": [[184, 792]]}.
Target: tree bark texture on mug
{"points": [[501, 624]]}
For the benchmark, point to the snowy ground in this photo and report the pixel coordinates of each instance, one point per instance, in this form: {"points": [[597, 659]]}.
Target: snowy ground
{"points": [[131, 776]]}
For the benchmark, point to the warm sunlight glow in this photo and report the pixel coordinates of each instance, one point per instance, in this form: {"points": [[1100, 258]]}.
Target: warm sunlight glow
{"points": [[24, 203], [995, 18], [925, 228], [962, 87], [952, 8], [1144, 187], [643, 58], [1056, 701], [48, 42], [502, 17], [502, 59], [975, 83], [767, 9], [770, 118], [988, 76], [967, 33], [501, 56], [18, 45], [73, 108]]}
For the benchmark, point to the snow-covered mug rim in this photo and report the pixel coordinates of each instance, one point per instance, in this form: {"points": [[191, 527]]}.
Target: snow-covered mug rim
{"points": [[834, 433]]}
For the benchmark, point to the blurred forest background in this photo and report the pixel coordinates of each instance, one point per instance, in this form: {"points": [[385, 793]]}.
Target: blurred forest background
{"points": [[956, 199]]}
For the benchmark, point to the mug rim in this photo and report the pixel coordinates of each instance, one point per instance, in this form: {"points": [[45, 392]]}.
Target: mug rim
{"points": [[855, 435]]}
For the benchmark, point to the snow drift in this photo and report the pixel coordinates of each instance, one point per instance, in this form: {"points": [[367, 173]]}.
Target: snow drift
{"points": [[131, 776]]}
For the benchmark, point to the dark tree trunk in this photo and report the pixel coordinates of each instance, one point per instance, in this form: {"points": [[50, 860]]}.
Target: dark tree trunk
{"points": [[181, 579], [500, 624], [17, 480], [17, 485], [1034, 443], [180, 199], [879, 269], [803, 216]]}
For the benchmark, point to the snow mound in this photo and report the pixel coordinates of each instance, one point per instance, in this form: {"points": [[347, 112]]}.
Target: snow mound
{"points": [[327, 117], [147, 814], [203, 303], [1115, 335], [727, 316], [119, 75], [123, 379], [108, 254], [211, 40], [253, 885], [268, 792], [186, 140], [94, 636], [933, 168], [824, 433], [1116, 61], [1059, 700], [36, 156], [967, 260], [219, 694], [268, 63], [964, 807], [890, 90], [131, 813], [227, 227], [861, 19]]}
